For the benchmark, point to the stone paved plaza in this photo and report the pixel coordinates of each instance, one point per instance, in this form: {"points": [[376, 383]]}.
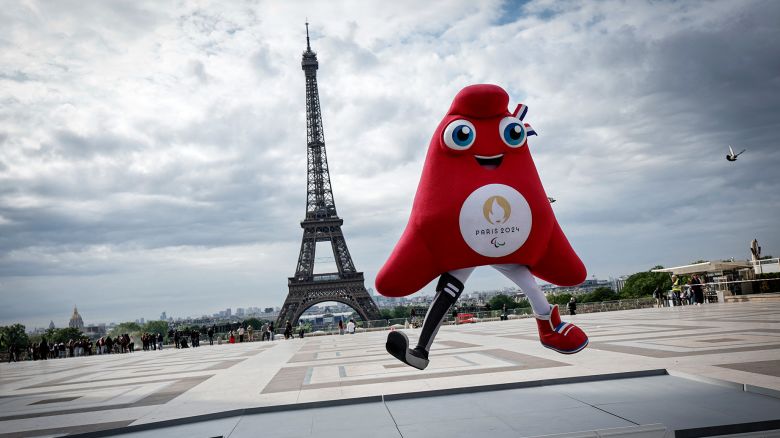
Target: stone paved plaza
{"points": [[709, 345]]}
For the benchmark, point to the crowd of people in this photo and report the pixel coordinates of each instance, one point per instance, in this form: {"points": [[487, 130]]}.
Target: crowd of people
{"points": [[152, 341], [124, 343], [691, 293], [84, 346]]}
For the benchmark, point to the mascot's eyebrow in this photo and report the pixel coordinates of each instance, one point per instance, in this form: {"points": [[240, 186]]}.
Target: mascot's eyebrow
{"points": [[520, 111]]}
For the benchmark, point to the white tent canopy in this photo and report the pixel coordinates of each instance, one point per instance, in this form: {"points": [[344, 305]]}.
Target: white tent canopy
{"points": [[698, 268]]}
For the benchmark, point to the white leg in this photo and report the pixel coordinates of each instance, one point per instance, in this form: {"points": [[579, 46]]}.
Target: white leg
{"points": [[522, 277], [462, 274]]}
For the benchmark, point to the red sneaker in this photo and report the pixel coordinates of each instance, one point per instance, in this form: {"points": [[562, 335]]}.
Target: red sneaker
{"points": [[563, 337]]}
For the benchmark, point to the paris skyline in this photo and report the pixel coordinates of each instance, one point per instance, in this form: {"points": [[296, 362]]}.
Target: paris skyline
{"points": [[152, 153]]}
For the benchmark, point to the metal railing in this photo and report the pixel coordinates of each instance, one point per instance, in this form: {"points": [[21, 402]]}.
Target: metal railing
{"points": [[491, 315]]}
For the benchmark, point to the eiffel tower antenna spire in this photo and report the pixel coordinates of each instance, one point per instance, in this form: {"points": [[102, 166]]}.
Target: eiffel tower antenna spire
{"points": [[308, 46], [321, 224]]}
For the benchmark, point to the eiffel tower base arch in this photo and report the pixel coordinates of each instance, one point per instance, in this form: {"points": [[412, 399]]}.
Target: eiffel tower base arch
{"points": [[304, 295]]}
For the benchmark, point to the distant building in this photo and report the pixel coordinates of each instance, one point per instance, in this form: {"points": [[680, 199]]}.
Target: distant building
{"points": [[163, 316], [619, 283], [95, 331], [766, 266], [51, 324], [75, 320], [240, 311]]}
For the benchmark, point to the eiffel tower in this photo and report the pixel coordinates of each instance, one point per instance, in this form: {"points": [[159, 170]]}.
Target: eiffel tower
{"points": [[322, 224]]}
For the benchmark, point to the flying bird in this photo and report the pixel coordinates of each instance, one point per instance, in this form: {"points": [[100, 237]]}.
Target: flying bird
{"points": [[731, 156]]}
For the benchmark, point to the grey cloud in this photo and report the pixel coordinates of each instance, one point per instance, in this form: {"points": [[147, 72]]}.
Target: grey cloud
{"points": [[199, 71], [71, 145], [264, 61], [634, 118], [16, 76]]}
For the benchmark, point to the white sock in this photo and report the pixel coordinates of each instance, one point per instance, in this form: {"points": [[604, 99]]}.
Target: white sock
{"points": [[522, 277], [462, 274]]}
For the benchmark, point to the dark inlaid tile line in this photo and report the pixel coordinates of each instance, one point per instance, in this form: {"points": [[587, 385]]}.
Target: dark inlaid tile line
{"points": [[283, 383], [160, 397], [646, 352], [54, 400]]}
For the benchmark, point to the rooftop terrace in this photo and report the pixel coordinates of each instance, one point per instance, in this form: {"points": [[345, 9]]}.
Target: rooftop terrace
{"points": [[648, 371]]}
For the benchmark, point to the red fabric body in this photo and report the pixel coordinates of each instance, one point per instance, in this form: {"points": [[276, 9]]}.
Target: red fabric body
{"points": [[432, 242]]}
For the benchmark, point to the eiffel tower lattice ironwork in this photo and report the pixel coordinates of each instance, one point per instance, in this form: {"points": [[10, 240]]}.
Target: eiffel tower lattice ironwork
{"points": [[322, 224]]}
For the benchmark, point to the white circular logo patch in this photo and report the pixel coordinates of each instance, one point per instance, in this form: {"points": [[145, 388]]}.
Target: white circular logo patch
{"points": [[495, 220]]}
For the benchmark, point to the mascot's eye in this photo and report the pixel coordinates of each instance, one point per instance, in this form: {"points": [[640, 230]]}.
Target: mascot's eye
{"points": [[459, 135], [512, 132]]}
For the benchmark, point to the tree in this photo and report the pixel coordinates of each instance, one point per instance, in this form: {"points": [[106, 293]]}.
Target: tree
{"points": [[643, 284], [499, 301], [13, 335], [254, 322], [63, 335], [156, 327], [559, 299], [599, 294], [131, 328], [401, 312]]}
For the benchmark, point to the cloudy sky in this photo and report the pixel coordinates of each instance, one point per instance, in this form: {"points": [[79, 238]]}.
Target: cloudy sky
{"points": [[152, 154]]}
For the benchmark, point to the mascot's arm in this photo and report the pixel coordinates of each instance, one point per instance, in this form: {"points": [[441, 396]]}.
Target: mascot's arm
{"points": [[559, 264], [410, 267]]}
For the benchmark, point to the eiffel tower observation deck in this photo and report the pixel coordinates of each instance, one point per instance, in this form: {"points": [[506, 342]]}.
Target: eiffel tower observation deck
{"points": [[322, 224]]}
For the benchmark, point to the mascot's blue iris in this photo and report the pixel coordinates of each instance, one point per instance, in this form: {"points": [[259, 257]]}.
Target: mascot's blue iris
{"points": [[463, 135], [514, 134]]}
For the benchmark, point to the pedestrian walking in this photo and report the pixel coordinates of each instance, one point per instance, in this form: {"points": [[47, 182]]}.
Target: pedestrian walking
{"points": [[697, 289]]}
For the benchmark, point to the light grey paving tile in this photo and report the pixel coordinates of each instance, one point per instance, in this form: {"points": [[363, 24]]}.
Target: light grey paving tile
{"points": [[522, 401], [563, 420], [364, 416], [431, 409], [287, 424], [672, 413], [205, 429], [743, 407], [491, 427], [638, 389]]}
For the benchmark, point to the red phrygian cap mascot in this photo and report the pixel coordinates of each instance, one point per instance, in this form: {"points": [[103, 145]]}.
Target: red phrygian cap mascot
{"points": [[480, 202]]}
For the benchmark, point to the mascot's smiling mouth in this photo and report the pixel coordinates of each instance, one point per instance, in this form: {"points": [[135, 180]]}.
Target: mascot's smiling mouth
{"points": [[489, 162]]}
